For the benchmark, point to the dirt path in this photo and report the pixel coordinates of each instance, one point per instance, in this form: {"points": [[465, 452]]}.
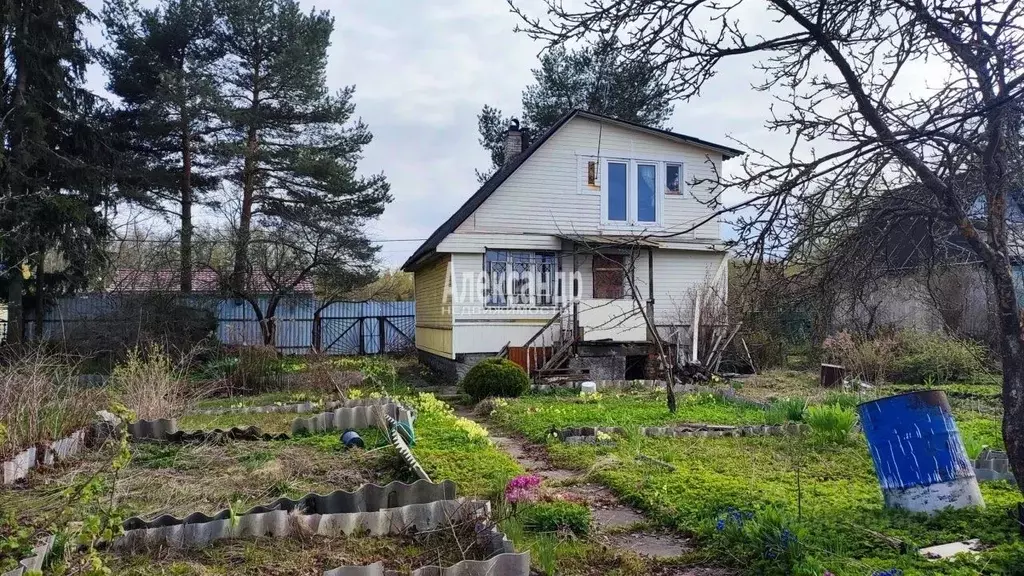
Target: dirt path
{"points": [[617, 526]]}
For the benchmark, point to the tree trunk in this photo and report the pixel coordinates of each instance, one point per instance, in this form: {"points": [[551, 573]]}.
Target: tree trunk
{"points": [[37, 332], [186, 211], [1012, 350], [15, 312], [269, 322], [245, 217]]}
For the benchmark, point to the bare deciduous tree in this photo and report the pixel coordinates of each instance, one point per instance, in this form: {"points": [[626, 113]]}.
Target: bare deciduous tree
{"points": [[845, 77]]}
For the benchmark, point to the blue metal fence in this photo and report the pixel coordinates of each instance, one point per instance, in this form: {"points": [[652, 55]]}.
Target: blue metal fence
{"points": [[301, 323]]}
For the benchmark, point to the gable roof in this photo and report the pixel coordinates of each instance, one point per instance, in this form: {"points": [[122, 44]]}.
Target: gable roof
{"points": [[499, 177]]}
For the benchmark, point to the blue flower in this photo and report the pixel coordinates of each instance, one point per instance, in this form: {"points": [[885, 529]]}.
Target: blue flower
{"points": [[720, 525]]}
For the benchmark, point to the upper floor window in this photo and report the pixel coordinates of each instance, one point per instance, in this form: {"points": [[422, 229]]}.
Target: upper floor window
{"points": [[518, 278], [633, 191]]}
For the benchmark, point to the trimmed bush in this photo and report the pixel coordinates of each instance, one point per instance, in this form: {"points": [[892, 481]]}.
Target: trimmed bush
{"points": [[556, 516], [495, 377]]}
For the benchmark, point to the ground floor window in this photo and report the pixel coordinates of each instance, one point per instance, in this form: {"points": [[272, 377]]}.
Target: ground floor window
{"points": [[609, 276], [520, 278]]}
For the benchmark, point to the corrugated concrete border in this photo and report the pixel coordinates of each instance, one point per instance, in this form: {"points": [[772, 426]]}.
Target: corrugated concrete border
{"points": [[35, 561], [716, 431], [283, 523], [368, 498], [299, 408], [354, 417], [165, 430], [17, 468], [587, 434]]}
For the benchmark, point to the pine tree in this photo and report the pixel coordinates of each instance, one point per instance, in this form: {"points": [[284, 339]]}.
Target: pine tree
{"points": [[593, 78], [293, 145], [53, 161], [161, 63]]}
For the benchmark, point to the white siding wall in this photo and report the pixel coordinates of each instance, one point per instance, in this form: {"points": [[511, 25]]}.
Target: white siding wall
{"points": [[543, 196], [676, 274]]}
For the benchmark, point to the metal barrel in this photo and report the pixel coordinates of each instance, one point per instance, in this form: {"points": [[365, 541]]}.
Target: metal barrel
{"points": [[919, 457]]}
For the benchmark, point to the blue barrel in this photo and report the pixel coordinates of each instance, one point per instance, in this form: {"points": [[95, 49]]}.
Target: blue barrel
{"points": [[351, 439], [919, 457]]}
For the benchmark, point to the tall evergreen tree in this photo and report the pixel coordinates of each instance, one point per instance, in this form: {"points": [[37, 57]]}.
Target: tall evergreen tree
{"points": [[52, 158], [161, 64], [594, 78], [293, 145]]}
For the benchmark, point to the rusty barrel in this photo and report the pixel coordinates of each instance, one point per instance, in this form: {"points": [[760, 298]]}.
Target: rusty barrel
{"points": [[918, 454]]}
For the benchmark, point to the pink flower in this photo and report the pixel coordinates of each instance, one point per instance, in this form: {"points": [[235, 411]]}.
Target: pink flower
{"points": [[522, 488]]}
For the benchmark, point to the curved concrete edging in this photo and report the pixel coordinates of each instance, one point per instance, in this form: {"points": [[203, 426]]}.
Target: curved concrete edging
{"points": [[17, 467]]}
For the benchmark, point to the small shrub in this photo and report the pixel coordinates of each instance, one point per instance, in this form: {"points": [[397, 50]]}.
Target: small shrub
{"points": [[938, 357], [40, 400], [380, 373], [844, 399], [769, 542], [832, 423], [495, 377], [793, 408], [258, 369], [867, 358], [150, 385], [557, 516]]}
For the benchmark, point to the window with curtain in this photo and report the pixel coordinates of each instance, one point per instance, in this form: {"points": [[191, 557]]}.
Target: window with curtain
{"points": [[518, 278]]}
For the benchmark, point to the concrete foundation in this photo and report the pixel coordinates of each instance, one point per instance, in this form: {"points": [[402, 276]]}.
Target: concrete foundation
{"points": [[447, 369]]}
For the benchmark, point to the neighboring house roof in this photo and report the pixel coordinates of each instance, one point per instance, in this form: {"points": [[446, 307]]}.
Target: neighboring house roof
{"points": [[499, 177], [203, 281]]}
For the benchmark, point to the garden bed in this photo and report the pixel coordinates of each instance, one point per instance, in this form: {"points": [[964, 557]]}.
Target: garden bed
{"points": [[749, 499]]}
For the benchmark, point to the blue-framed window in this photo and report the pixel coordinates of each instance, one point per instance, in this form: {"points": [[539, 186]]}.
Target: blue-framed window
{"points": [[519, 278], [647, 193], [618, 193]]}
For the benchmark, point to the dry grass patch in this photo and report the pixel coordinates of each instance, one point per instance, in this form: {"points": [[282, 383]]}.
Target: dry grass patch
{"points": [[40, 400], [179, 479]]}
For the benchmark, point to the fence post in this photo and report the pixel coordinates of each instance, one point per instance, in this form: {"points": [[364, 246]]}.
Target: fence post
{"points": [[318, 332], [362, 340], [381, 348]]}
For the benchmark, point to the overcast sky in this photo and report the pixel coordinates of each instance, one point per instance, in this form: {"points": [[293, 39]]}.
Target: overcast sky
{"points": [[423, 70]]}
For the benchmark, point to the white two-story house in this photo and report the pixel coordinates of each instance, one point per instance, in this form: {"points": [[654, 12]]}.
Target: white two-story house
{"points": [[566, 257]]}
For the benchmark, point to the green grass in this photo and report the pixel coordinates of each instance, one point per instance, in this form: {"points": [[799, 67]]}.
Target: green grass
{"points": [[447, 451], [268, 399], [535, 416], [839, 503]]}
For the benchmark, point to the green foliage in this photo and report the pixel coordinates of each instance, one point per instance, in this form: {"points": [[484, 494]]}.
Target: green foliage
{"points": [[380, 373], [936, 357], [161, 64], [448, 450], [831, 422], [495, 377], [844, 399], [536, 415], [792, 409], [839, 500], [557, 516]]}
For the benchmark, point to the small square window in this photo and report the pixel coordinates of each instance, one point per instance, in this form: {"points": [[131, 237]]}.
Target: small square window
{"points": [[593, 174], [673, 178]]}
